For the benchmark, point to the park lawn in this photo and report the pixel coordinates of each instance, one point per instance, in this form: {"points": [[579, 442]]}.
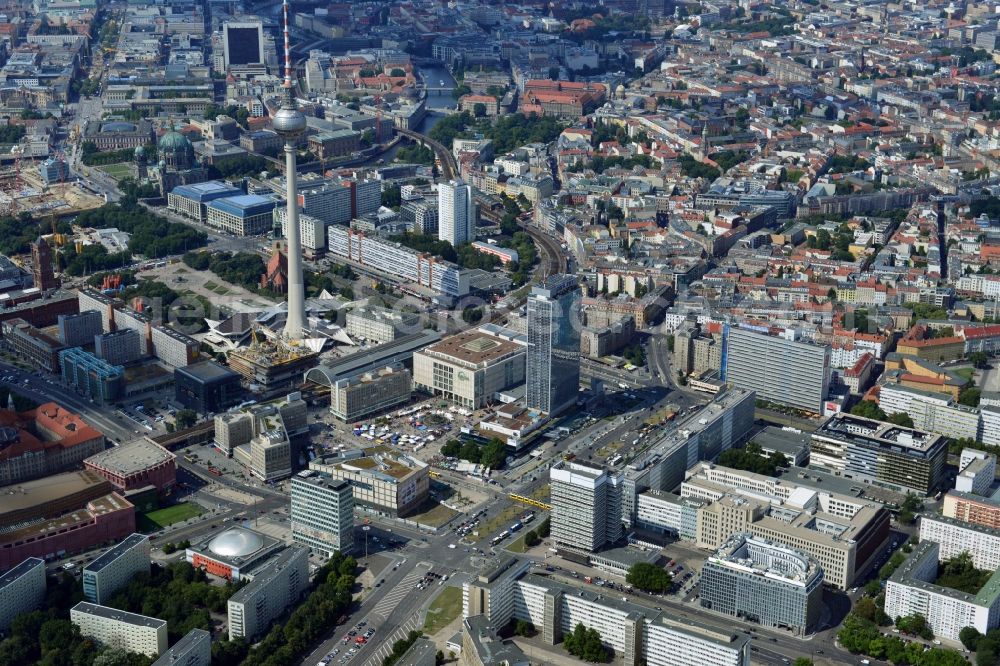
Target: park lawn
{"points": [[211, 286], [965, 373], [117, 171], [518, 545], [443, 610], [154, 520]]}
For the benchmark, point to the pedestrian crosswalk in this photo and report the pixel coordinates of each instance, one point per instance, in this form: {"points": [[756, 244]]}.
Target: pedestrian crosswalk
{"points": [[386, 647], [387, 603]]}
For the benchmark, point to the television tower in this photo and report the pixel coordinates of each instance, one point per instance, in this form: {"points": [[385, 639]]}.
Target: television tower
{"points": [[289, 123]]}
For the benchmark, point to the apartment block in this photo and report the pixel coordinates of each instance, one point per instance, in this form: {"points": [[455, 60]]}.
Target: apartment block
{"points": [[884, 454], [956, 537], [779, 369], [912, 590], [377, 254], [22, 590], [977, 469], [194, 649], [273, 589], [110, 626], [115, 568], [636, 633], [969, 508]]}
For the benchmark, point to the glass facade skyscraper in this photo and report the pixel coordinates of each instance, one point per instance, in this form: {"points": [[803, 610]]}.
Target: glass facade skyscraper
{"points": [[552, 372]]}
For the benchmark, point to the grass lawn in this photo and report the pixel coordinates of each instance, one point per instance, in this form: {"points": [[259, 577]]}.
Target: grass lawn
{"points": [[445, 608], [211, 286], [965, 373], [154, 520], [518, 545], [434, 515], [117, 171], [504, 519]]}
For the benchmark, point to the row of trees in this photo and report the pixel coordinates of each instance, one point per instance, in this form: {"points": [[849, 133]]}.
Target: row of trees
{"points": [[870, 410], [288, 641]]}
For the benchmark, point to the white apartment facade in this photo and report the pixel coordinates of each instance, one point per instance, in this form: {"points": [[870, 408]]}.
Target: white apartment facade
{"points": [[113, 570], [110, 626], [22, 590]]}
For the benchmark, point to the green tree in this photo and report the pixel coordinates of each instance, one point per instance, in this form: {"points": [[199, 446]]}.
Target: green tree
{"points": [[479, 110], [648, 577], [531, 539], [969, 397], [970, 637], [803, 661], [397, 72], [901, 419], [524, 628], [585, 644], [979, 359], [493, 454], [869, 410], [185, 418]]}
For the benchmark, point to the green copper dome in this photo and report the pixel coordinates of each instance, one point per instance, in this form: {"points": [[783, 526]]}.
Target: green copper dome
{"points": [[173, 141]]}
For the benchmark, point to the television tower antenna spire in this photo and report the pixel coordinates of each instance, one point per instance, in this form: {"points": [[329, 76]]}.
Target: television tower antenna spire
{"points": [[288, 50]]}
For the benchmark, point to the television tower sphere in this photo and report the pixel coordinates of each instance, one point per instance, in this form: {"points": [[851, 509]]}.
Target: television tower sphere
{"points": [[288, 122]]}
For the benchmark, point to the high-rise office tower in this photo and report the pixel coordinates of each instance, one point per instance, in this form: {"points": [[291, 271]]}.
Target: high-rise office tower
{"points": [[322, 512], [780, 369], [456, 213], [289, 123], [243, 42], [552, 372], [586, 506]]}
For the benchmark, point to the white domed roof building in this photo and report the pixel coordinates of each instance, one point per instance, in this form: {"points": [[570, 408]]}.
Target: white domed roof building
{"points": [[232, 553]]}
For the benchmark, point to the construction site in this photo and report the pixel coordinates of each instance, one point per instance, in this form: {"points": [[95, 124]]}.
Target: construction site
{"points": [[23, 190], [270, 362]]}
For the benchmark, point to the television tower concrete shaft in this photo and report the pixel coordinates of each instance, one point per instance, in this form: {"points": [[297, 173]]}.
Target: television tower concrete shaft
{"points": [[289, 123]]}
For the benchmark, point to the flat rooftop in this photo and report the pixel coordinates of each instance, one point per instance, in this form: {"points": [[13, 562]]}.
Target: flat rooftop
{"points": [[31, 494], [859, 430], [24, 567], [478, 348], [113, 554], [130, 458], [119, 615], [207, 371]]}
